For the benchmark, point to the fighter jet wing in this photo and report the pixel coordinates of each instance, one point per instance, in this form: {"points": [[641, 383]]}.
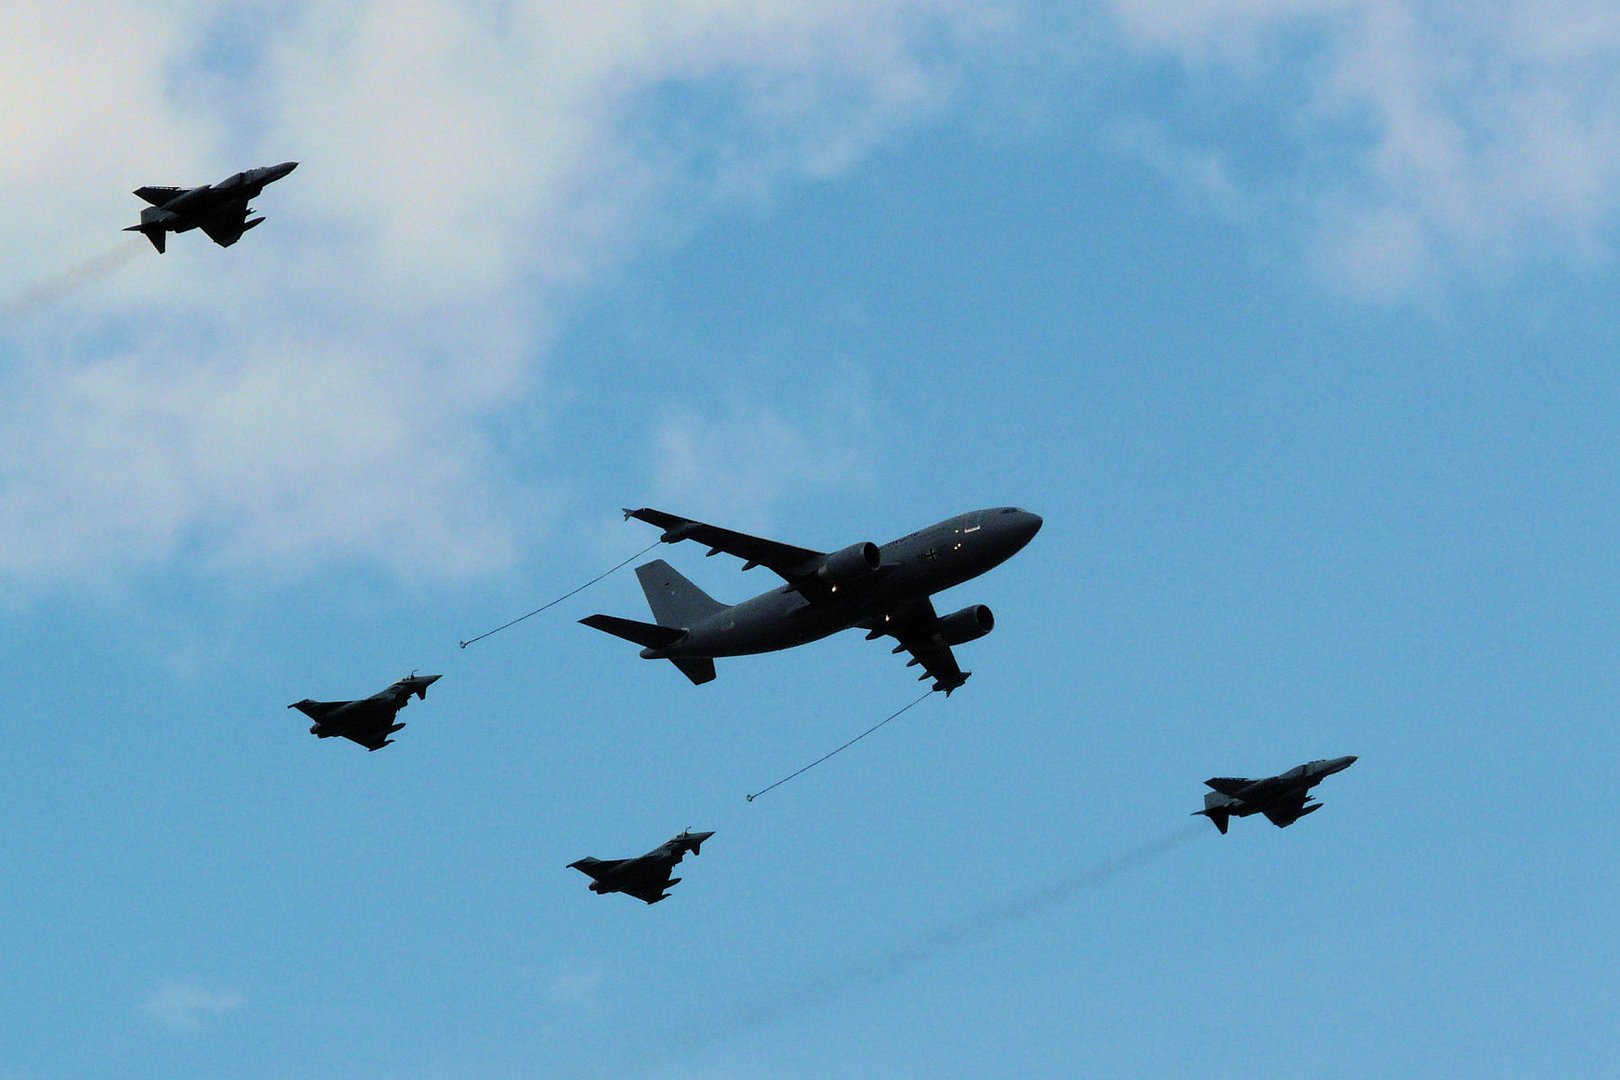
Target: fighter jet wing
{"points": [[792, 564], [370, 738], [1228, 785], [226, 224], [157, 196], [649, 884], [916, 628], [1284, 814]]}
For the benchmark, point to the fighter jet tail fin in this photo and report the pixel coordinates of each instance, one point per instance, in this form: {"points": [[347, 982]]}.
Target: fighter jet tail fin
{"points": [[674, 600]]}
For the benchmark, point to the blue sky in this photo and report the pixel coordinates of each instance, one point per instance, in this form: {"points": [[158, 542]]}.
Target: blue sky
{"points": [[1300, 339]]}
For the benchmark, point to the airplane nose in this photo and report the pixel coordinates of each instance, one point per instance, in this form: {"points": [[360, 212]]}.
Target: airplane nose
{"points": [[284, 168]]}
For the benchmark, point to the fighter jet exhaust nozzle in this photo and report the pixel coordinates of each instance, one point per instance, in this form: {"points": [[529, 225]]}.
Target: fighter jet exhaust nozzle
{"points": [[969, 624], [850, 564]]}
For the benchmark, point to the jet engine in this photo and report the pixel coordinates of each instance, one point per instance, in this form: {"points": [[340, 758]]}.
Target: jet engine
{"points": [[850, 564], [969, 624]]}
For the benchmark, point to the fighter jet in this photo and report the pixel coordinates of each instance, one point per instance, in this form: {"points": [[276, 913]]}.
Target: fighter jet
{"points": [[882, 590], [368, 721], [220, 210], [1284, 798], [645, 877]]}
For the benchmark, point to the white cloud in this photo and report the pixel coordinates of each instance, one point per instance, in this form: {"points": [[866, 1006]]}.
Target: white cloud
{"points": [[737, 466], [1436, 143], [327, 390], [185, 1005]]}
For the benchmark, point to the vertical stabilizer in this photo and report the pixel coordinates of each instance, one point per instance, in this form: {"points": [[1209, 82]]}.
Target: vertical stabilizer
{"points": [[674, 600]]}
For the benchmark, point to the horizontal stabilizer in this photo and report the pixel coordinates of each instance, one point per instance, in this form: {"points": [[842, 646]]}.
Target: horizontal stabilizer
{"points": [[700, 672], [153, 233], [647, 635]]}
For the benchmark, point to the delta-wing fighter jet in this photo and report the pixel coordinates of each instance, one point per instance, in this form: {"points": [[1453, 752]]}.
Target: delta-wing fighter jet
{"points": [[882, 590], [368, 721], [1284, 798], [645, 877], [221, 210]]}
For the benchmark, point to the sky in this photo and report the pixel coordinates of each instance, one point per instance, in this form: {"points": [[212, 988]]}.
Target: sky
{"points": [[1294, 319]]}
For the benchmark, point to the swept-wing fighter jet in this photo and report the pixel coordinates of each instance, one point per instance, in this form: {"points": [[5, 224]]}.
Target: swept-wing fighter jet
{"points": [[882, 590], [645, 877], [220, 210], [1284, 798], [368, 721]]}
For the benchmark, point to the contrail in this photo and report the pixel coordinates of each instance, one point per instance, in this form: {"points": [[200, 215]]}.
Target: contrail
{"points": [[56, 289], [873, 970]]}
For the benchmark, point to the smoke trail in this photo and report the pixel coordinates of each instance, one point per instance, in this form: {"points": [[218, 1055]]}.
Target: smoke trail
{"points": [[56, 289], [873, 970]]}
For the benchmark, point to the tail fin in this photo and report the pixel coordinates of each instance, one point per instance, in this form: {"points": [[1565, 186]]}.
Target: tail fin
{"points": [[674, 600], [646, 635]]}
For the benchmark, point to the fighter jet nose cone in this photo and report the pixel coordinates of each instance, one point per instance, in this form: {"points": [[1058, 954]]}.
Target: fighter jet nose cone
{"points": [[1035, 523], [287, 167]]}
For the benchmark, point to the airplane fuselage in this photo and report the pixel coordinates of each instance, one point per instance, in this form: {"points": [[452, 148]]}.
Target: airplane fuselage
{"points": [[912, 568]]}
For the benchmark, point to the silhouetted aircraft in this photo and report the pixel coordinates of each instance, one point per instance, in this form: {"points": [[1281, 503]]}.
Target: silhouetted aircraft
{"points": [[1283, 798], [368, 721], [220, 210], [884, 591], [645, 877]]}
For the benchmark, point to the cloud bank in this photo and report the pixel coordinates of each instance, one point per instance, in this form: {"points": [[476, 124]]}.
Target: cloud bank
{"points": [[342, 388], [332, 389], [1427, 144]]}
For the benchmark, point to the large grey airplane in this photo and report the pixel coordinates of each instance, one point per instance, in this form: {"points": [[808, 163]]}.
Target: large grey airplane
{"points": [[882, 590], [1284, 798], [367, 721], [221, 210], [646, 877]]}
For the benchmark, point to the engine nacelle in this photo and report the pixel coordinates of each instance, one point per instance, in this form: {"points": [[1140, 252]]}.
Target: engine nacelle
{"points": [[969, 624], [850, 564]]}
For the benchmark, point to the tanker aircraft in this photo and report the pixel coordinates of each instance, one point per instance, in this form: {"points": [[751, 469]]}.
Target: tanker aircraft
{"points": [[882, 590]]}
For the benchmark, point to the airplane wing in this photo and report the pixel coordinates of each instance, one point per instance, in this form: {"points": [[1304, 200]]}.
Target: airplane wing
{"points": [[226, 224], [792, 564], [647, 884], [598, 869], [916, 628], [1285, 813], [157, 196], [1228, 785], [370, 738]]}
